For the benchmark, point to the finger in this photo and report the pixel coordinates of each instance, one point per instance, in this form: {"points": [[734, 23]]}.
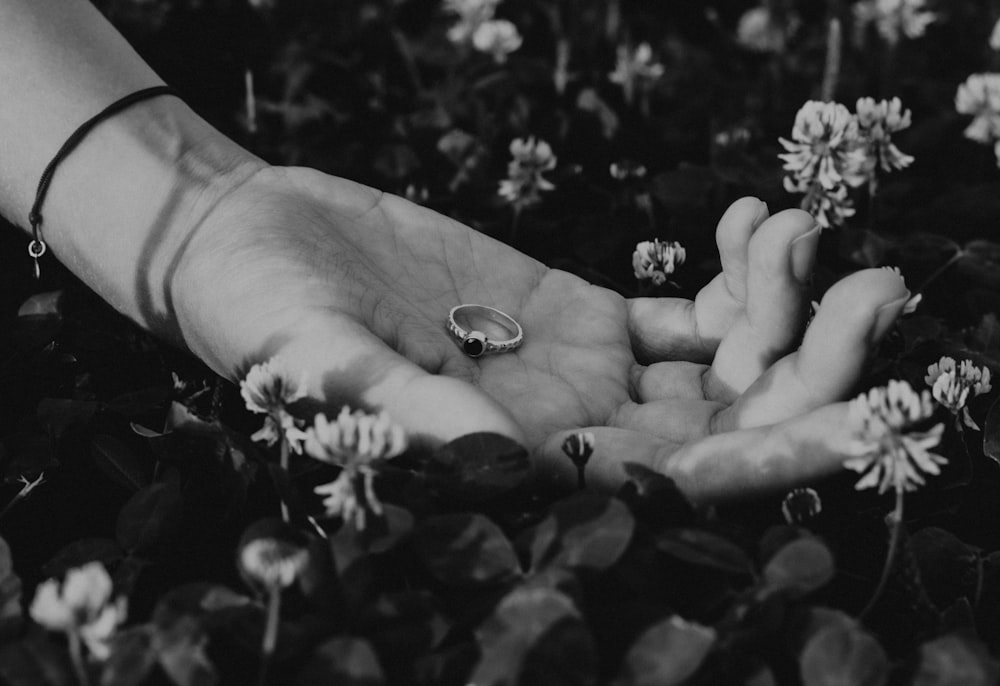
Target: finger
{"points": [[854, 316], [675, 419], [347, 365], [733, 238], [663, 380], [781, 258], [721, 468], [674, 328]]}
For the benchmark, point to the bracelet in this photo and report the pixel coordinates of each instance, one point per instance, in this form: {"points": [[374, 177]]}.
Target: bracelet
{"points": [[37, 246]]}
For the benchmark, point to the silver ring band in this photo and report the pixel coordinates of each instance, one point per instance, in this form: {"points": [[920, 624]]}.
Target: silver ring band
{"points": [[474, 342]]}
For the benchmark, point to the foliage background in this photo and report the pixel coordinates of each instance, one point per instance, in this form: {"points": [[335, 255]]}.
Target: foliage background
{"points": [[369, 90]]}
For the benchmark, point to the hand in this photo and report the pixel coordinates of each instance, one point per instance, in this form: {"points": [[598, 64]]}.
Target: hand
{"points": [[354, 287]]}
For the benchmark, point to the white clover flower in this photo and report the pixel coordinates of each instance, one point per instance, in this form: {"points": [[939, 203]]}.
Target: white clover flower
{"points": [[801, 504], [656, 260], [635, 69], [759, 32], [353, 441], [579, 447], [270, 389], [81, 605], [354, 438], [829, 208], [877, 121], [887, 451], [826, 155], [895, 18], [273, 563], [524, 182], [351, 495], [980, 97], [952, 386], [826, 148], [471, 15], [497, 37]]}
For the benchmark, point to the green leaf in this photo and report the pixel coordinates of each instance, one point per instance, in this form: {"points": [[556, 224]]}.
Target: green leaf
{"points": [[35, 661], [925, 247], [49, 303], [981, 261], [34, 331], [863, 247], [991, 432], [517, 632], [59, 414], [201, 600], [132, 657], [800, 567], [139, 402], [478, 467], [181, 653], [584, 531], [409, 622], [28, 454], [654, 498], [954, 660], [466, 550], [10, 594], [986, 336], [666, 654], [705, 549], [148, 517], [819, 618], [837, 655], [349, 545], [342, 661], [119, 462], [944, 562]]}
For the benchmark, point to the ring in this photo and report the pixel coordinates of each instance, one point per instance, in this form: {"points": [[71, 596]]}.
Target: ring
{"points": [[467, 322]]}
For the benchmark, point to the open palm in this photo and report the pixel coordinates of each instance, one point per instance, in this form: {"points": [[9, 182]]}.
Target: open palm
{"points": [[354, 286]]}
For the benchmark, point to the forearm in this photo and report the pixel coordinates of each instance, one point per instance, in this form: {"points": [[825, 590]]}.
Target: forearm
{"points": [[124, 204]]}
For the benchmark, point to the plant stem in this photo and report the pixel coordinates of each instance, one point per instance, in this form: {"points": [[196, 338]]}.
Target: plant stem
{"points": [[890, 559], [7, 508], [872, 193], [940, 270], [612, 20], [284, 469], [560, 76], [250, 103], [76, 654], [831, 70], [270, 631], [515, 224]]}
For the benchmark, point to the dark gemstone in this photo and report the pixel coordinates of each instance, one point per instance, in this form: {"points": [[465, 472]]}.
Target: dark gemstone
{"points": [[473, 347]]}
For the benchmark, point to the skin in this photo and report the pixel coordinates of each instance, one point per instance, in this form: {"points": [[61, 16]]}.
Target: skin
{"points": [[206, 245], [353, 286]]}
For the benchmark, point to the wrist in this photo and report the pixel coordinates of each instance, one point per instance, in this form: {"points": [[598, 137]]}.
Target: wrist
{"points": [[126, 204]]}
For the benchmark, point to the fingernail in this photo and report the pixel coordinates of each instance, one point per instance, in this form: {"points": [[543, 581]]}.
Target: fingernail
{"points": [[803, 254], [761, 215], [886, 316]]}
